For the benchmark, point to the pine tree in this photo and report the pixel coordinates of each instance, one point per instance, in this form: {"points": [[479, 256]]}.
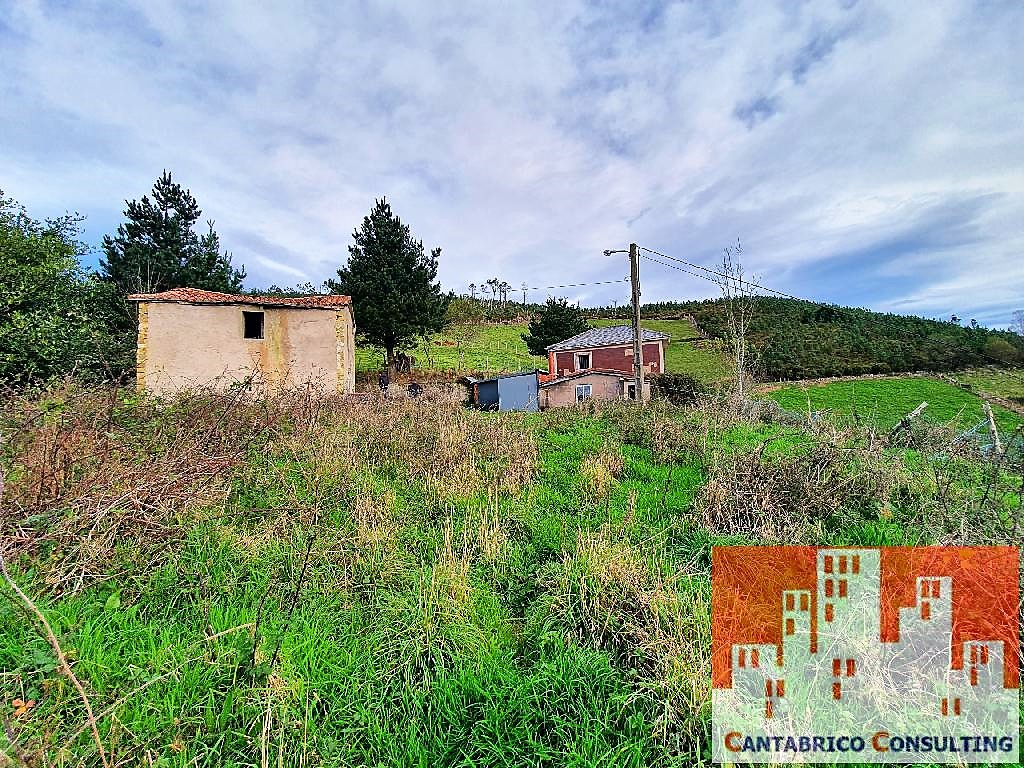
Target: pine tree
{"points": [[392, 282], [157, 247], [556, 321]]}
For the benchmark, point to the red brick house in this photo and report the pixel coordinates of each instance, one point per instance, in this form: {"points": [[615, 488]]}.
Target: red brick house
{"points": [[607, 349]]}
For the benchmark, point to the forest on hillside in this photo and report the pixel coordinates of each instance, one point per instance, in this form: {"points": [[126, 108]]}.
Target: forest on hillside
{"points": [[795, 339]]}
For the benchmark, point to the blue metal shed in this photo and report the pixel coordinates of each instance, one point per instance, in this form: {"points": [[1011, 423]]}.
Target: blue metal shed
{"points": [[518, 392], [485, 394], [511, 392]]}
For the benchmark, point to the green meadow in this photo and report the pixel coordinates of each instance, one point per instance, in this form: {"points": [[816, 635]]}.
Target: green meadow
{"points": [[883, 402], [500, 348], [338, 583]]}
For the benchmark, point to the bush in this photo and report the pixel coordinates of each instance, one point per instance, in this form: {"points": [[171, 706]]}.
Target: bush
{"points": [[677, 388]]}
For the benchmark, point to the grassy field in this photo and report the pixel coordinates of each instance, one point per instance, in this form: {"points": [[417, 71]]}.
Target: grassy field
{"points": [[1007, 383], [683, 355], [409, 583], [500, 348], [884, 402], [497, 348]]}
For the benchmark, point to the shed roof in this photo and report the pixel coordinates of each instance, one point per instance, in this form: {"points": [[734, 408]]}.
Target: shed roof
{"points": [[197, 296], [474, 380], [611, 336], [584, 372]]}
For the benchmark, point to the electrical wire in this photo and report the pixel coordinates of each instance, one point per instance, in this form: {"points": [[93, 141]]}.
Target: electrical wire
{"points": [[577, 285], [567, 285], [719, 274], [798, 298]]}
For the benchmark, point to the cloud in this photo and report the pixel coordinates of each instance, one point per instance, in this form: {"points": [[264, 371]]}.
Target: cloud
{"points": [[865, 152]]}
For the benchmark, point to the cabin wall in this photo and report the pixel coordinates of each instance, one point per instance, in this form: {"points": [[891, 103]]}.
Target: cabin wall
{"points": [[186, 345]]}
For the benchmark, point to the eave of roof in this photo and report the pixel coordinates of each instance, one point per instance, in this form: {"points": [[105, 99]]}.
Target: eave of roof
{"points": [[533, 372], [198, 296], [585, 372]]}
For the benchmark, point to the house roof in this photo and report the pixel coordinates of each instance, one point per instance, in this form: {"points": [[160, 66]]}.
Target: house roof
{"points": [[197, 296], [585, 372], [605, 337], [475, 380]]}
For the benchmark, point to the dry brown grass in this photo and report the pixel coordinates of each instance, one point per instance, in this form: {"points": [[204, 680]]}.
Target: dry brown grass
{"points": [[87, 476], [91, 472]]}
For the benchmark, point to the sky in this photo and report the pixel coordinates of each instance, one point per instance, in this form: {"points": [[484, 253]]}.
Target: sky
{"points": [[864, 153]]}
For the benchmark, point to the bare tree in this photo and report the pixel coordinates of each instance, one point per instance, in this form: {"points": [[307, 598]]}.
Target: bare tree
{"points": [[472, 290], [1017, 324], [738, 294], [504, 288]]}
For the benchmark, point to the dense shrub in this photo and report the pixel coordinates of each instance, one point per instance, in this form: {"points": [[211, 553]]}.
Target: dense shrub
{"points": [[54, 316], [677, 388]]}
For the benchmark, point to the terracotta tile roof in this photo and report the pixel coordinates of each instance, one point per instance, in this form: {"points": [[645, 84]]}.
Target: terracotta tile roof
{"points": [[611, 336], [197, 296]]}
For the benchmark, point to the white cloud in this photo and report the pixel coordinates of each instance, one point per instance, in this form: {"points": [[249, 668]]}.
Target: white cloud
{"points": [[865, 152]]}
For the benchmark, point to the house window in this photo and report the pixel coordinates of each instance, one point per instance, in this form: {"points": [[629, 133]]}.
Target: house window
{"points": [[582, 392], [253, 325], [582, 361], [631, 391]]}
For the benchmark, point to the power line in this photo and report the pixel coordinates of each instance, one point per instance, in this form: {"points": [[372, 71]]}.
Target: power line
{"points": [[577, 285], [681, 269], [783, 294], [567, 285], [719, 274]]}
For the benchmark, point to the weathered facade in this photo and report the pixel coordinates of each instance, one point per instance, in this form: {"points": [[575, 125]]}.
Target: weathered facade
{"points": [[588, 385], [609, 349], [188, 337]]}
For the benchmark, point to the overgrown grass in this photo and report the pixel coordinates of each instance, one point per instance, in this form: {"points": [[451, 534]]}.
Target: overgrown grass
{"points": [[883, 402], [406, 584], [1002, 382]]}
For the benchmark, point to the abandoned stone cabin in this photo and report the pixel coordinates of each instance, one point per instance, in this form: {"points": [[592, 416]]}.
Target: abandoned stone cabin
{"points": [[190, 337]]}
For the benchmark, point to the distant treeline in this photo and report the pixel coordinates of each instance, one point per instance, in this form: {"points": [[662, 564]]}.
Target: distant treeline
{"points": [[795, 339]]}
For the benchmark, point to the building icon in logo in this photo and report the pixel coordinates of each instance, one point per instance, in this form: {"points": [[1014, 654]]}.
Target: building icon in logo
{"points": [[834, 690]]}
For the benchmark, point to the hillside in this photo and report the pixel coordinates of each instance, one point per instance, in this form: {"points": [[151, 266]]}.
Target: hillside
{"points": [[686, 352], [500, 348], [804, 340], [354, 582]]}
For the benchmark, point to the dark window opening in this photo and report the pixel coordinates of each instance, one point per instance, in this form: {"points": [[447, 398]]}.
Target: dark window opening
{"points": [[253, 325], [583, 361]]}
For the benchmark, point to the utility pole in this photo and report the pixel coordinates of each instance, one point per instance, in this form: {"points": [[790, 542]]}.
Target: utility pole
{"points": [[638, 346]]}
